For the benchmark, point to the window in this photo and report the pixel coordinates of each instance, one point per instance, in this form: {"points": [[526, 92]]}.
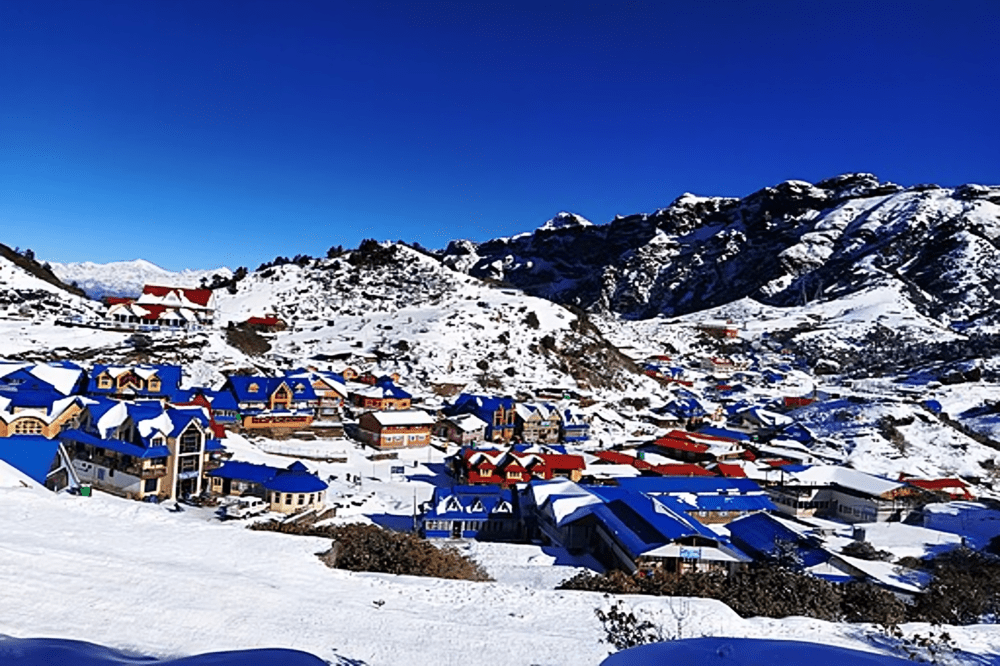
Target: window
{"points": [[28, 427], [191, 440], [129, 380], [150, 485], [302, 499], [154, 384], [288, 498], [253, 388], [311, 496], [189, 463], [104, 382], [276, 498]]}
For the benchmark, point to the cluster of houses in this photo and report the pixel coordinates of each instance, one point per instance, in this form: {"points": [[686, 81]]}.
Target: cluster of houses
{"points": [[724, 485]]}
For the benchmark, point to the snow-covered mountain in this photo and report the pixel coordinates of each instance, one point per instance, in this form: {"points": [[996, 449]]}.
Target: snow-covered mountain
{"points": [[426, 321], [783, 245], [126, 278]]}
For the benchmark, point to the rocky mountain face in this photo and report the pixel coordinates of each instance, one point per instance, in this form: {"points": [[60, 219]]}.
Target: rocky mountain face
{"points": [[785, 245]]}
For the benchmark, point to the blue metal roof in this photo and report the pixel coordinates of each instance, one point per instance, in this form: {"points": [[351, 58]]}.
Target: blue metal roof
{"points": [[296, 478], [758, 533], [735, 503], [479, 404], [642, 512], [460, 501], [31, 455], [169, 376], [244, 471], [724, 432], [265, 386], [798, 433], [117, 445]]}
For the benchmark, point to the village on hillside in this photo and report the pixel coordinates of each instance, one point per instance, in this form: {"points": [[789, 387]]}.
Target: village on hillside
{"points": [[724, 473]]}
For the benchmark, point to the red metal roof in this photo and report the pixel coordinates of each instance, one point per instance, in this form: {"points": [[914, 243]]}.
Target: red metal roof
{"points": [[118, 300], [616, 457], [730, 471], [681, 444], [264, 321], [681, 469], [199, 296], [953, 487]]}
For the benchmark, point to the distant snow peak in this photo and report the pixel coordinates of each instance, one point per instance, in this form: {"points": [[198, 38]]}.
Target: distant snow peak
{"points": [[127, 278], [565, 220]]}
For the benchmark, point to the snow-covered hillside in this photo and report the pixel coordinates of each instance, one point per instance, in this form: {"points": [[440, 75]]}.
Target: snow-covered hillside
{"points": [[427, 322], [126, 278]]}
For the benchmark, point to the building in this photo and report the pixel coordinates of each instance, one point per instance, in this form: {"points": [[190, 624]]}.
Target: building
{"points": [[574, 427], [41, 383], [273, 404], [143, 449], [395, 429], [384, 396], [509, 467], [223, 412], [539, 423], [842, 493], [43, 460], [628, 530], [171, 308], [28, 414], [709, 500], [266, 324], [485, 513], [287, 490], [330, 389], [719, 329], [146, 382], [498, 413], [463, 429]]}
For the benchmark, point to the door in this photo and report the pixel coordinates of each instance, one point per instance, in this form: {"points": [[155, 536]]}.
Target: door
{"points": [[456, 529]]}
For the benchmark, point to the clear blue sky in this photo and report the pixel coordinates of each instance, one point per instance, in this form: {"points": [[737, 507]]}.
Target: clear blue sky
{"points": [[198, 134]]}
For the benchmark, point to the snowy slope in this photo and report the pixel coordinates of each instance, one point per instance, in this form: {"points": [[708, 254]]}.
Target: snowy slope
{"points": [[425, 321], [126, 278], [137, 577]]}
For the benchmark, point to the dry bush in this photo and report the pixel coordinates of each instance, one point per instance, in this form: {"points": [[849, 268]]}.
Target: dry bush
{"points": [[360, 547]]}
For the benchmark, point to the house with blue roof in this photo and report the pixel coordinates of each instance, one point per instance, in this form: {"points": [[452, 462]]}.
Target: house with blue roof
{"points": [[330, 389], [36, 384], [143, 449], [136, 382], [628, 529], [38, 414], [539, 423], [273, 404], [711, 500], [498, 413], [221, 405], [767, 538], [43, 460], [486, 513], [575, 427], [288, 490], [382, 396]]}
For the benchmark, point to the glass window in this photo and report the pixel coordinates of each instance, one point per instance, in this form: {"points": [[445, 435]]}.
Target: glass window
{"points": [[27, 427], [288, 498], [150, 485], [302, 499]]}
